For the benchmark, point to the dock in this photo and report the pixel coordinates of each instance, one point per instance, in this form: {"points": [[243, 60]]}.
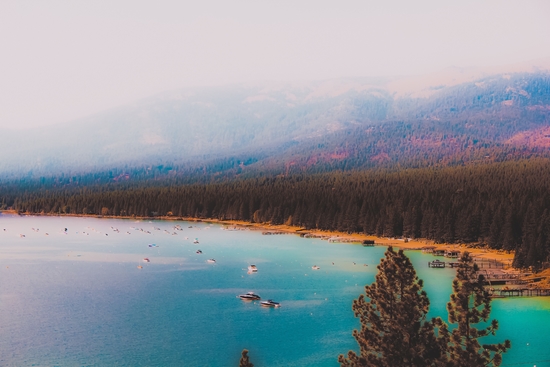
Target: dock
{"points": [[497, 279], [504, 279], [520, 292], [489, 264]]}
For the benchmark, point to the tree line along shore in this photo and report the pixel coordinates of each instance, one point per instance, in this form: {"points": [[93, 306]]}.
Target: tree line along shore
{"points": [[501, 206]]}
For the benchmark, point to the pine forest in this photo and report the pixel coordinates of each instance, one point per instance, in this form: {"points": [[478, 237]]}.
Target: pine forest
{"points": [[504, 206]]}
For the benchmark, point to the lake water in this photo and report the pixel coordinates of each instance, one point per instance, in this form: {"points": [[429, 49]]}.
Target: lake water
{"points": [[78, 298]]}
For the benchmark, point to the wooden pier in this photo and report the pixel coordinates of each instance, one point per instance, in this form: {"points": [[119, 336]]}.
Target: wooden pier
{"points": [[489, 264], [505, 279], [526, 285], [313, 235], [520, 292]]}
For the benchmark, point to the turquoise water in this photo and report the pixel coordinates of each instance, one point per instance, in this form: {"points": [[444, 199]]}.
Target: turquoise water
{"points": [[78, 298]]}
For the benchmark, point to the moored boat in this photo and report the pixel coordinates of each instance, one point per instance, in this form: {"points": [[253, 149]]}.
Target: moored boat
{"points": [[315, 267], [436, 264], [270, 303], [212, 261], [249, 296], [252, 269]]}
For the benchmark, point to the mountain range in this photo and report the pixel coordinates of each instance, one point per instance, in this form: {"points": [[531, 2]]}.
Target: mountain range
{"points": [[449, 117]]}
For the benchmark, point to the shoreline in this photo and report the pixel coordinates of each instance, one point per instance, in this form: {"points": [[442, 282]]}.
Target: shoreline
{"points": [[412, 244]]}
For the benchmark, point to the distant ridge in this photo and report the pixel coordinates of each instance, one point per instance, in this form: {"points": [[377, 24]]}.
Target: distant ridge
{"points": [[275, 122]]}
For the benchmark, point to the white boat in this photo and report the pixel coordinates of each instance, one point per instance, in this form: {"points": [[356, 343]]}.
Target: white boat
{"points": [[250, 296], [270, 303], [198, 252], [315, 267], [146, 260], [196, 240], [212, 261], [252, 269]]}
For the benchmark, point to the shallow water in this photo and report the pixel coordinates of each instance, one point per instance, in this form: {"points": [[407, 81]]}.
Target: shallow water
{"points": [[79, 298]]}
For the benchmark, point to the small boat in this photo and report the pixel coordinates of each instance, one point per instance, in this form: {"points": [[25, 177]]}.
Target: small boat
{"points": [[198, 252], [436, 264], [196, 240], [252, 269], [250, 296], [146, 260], [315, 267], [270, 303], [153, 245], [140, 267], [212, 261]]}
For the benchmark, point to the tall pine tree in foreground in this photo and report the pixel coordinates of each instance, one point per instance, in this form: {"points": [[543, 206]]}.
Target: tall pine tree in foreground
{"points": [[394, 329], [471, 304]]}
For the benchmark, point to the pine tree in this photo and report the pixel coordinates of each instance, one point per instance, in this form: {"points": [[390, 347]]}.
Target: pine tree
{"points": [[394, 330], [244, 362], [471, 304]]}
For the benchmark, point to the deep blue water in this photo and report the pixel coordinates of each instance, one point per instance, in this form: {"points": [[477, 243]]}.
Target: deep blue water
{"points": [[79, 299]]}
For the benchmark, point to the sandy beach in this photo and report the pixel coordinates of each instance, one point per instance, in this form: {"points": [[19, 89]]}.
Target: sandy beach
{"points": [[409, 244]]}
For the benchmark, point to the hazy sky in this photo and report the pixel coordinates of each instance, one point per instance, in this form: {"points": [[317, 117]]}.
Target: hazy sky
{"points": [[61, 60]]}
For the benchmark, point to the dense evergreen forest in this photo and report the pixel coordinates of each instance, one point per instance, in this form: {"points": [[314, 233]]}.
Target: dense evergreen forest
{"points": [[502, 205]]}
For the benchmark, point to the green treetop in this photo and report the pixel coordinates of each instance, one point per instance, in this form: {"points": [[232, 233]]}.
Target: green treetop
{"points": [[471, 304], [394, 329]]}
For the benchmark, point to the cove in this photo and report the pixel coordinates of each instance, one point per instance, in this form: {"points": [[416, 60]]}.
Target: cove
{"points": [[78, 297]]}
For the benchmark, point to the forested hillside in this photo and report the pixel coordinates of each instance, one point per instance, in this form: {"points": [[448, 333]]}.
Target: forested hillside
{"points": [[460, 162], [354, 122], [501, 205]]}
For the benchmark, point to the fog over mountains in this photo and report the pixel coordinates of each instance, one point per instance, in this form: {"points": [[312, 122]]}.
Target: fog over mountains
{"points": [[274, 121]]}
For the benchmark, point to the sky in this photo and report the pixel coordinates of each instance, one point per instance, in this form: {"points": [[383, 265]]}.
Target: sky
{"points": [[63, 60]]}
